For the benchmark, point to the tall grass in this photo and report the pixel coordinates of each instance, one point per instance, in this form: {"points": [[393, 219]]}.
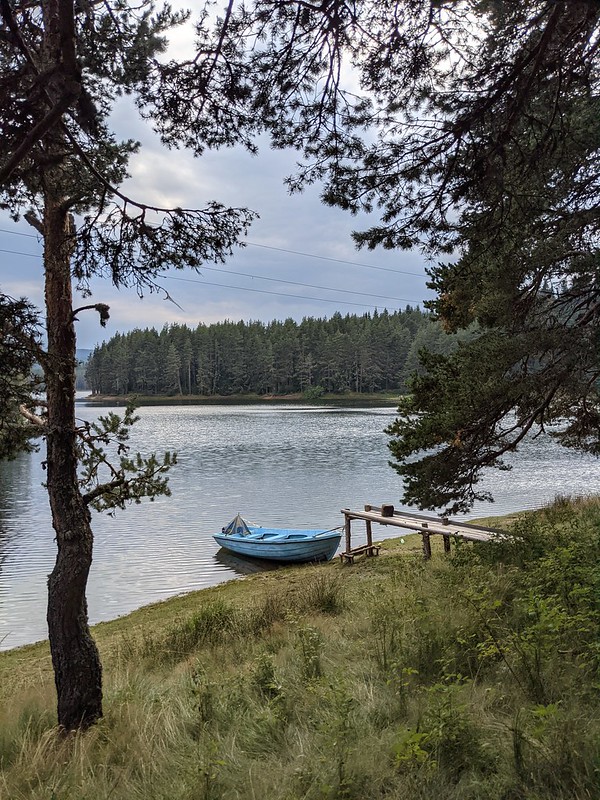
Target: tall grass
{"points": [[470, 677]]}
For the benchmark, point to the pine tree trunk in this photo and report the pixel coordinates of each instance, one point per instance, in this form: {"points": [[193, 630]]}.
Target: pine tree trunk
{"points": [[77, 669]]}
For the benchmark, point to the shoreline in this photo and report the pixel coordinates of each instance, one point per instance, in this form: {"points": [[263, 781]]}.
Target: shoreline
{"points": [[407, 541], [347, 398]]}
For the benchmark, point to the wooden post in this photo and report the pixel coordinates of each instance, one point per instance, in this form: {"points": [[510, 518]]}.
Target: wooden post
{"points": [[369, 533], [426, 546], [446, 539], [348, 533]]}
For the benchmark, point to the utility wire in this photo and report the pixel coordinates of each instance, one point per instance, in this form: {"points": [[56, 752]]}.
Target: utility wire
{"points": [[277, 294], [19, 233], [279, 250], [298, 283], [17, 253], [336, 260], [261, 278]]}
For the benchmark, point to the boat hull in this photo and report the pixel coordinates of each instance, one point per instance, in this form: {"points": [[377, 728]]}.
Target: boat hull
{"points": [[286, 546]]}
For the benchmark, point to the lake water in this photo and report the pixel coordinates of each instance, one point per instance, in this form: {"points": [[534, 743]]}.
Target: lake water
{"points": [[281, 466]]}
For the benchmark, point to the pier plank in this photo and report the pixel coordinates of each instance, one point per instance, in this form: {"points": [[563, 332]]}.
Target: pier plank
{"points": [[418, 523]]}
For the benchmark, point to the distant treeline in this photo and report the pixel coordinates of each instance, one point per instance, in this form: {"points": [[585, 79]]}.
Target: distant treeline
{"points": [[368, 353]]}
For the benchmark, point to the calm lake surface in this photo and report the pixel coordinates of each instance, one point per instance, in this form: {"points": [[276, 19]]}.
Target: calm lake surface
{"points": [[282, 466]]}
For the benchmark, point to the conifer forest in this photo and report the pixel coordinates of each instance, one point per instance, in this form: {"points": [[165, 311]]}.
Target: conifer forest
{"points": [[365, 354]]}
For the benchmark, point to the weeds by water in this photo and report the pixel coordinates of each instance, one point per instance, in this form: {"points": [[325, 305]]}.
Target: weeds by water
{"points": [[470, 678]]}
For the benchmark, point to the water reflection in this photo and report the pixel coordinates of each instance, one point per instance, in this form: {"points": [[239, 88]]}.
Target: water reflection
{"points": [[27, 550], [244, 566], [286, 466]]}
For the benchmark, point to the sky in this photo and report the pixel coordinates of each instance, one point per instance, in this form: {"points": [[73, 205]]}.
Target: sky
{"points": [[296, 240]]}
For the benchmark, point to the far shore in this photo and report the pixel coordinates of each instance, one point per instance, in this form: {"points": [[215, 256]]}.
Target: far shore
{"points": [[344, 398]]}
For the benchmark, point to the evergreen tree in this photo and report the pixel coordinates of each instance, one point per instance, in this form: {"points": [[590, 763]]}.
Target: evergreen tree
{"points": [[62, 67], [172, 364], [482, 147], [186, 359], [19, 349]]}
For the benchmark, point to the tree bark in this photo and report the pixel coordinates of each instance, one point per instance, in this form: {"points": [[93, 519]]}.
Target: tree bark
{"points": [[75, 658]]}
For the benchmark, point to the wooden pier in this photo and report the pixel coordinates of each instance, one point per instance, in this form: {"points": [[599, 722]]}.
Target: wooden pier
{"points": [[415, 523]]}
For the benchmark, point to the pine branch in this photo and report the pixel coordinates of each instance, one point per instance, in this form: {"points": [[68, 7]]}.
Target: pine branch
{"points": [[36, 134], [104, 489], [33, 418], [101, 308]]}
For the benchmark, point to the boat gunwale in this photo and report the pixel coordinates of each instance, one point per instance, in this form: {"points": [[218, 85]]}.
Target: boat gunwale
{"points": [[272, 541]]}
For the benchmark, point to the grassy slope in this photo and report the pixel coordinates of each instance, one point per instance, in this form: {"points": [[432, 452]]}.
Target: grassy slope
{"points": [[474, 677]]}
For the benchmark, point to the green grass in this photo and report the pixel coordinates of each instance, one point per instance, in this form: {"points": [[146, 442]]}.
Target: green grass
{"points": [[474, 676]]}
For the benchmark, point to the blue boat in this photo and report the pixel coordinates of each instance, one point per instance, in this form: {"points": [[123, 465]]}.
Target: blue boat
{"points": [[278, 544]]}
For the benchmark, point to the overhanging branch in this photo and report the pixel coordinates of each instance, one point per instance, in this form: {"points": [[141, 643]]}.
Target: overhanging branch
{"points": [[33, 418], [102, 489], [35, 134], [101, 308]]}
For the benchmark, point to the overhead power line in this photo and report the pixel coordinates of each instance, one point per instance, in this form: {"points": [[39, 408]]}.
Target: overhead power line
{"points": [[264, 278], [277, 294], [19, 233], [17, 253], [336, 260], [299, 283], [279, 250]]}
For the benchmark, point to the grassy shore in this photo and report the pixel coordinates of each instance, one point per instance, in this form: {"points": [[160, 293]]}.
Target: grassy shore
{"points": [[474, 676]]}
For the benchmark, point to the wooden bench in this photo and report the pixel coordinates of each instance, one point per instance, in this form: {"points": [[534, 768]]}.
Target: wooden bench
{"points": [[366, 549]]}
